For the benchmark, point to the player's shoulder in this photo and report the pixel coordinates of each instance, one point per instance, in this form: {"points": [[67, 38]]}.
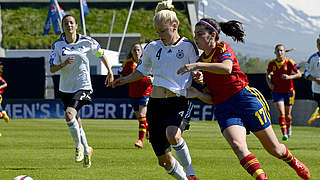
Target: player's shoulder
{"points": [[223, 47], [127, 62], [58, 42], [83, 37], [291, 61], [314, 56]]}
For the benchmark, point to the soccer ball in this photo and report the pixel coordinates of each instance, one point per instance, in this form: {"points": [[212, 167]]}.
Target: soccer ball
{"points": [[22, 177]]}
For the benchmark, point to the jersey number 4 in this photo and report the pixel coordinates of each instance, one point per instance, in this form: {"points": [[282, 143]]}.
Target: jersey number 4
{"points": [[159, 53]]}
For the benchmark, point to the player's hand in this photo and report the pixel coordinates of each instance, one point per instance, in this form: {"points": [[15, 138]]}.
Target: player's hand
{"points": [[198, 77], [118, 82], [109, 80], [69, 60], [285, 76], [186, 68], [150, 79]]}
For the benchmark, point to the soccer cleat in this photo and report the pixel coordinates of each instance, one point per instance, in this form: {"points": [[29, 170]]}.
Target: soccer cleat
{"points": [[285, 137], [262, 176], [87, 159], [314, 116], [139, 144], [79, 154], [192, 177], [5, 116], [302, 170], [289, 130]]}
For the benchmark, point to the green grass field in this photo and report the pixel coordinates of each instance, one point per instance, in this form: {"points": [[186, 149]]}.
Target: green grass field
{"points": [[43, 149]]}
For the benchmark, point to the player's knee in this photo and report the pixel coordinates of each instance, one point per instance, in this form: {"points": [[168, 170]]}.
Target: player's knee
{"points": [[70, 113], [165, 163], [238, 147], [173, 136]]}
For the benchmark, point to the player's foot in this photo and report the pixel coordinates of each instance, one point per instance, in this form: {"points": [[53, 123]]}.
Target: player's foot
{"points": [[139, 144], [79, 154], [5, 116], [285, 137], [262, 176], [314, 116], [289, 130], [302, 170], [192, 177], [87, 159]]}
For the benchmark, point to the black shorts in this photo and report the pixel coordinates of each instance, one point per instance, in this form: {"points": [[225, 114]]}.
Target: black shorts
{"points": [[164, 112], [75, 100]]}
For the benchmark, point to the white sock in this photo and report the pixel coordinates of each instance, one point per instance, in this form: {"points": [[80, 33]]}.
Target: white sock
{"points": [[177, 171], [84, 141], [74, 130], [183, 155]]}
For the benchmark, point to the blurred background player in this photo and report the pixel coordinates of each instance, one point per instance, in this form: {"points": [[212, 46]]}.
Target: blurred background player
{"points": [[139, 91], [3, 84], [69, 56], [168, 105], [238, 108], [280, 73], [312, 73]]}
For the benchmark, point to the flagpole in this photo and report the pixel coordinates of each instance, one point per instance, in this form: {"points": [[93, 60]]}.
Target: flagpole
{"points": [[125, 28], [111, 28], [59, 13], [83, 19]]}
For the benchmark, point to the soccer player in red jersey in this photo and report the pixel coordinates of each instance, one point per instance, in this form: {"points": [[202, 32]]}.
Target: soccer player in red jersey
{"points": [[279, 77], [139, 91], [3, 84], [238, 108]]}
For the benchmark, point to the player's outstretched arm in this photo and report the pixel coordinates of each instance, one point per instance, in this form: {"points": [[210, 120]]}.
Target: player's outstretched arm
{"points": [[136, 75], [194, 93], [109, 78]]}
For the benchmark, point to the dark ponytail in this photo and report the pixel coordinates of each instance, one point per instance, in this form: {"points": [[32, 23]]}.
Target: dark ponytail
{"points": [[231, 28]]}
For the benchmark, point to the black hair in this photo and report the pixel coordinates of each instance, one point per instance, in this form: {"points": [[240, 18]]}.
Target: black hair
{"points": [[231, 28]]}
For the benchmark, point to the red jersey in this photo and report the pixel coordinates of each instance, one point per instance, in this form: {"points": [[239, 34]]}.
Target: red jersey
{"points": [[140, 88], [2, 81], [278, 68], [223, 86]]}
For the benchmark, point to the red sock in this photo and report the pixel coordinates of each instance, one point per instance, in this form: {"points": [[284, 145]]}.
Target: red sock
{"points": [[289, 121], [142, 127], [1, 114], [289, 158], [283, 124], [251, 164]]}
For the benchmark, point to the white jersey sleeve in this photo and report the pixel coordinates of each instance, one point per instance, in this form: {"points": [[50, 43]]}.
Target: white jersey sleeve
{"points": [[54, 58], [145, 62], [312, 68], [95, 47]]}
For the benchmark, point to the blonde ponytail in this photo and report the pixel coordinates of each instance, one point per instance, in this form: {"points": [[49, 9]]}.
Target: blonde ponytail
{"points": [[164, 5], [165, 14]]}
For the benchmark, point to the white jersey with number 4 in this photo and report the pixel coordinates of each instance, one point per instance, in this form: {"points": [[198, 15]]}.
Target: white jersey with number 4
{"points": [[164, 61], [75, 76]]}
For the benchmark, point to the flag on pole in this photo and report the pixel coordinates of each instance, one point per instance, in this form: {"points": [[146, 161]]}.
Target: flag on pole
{"points": [[85, 7], [84, 11], [53, 18]]}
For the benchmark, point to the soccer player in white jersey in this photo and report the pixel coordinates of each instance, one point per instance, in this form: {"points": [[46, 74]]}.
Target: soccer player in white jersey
{"points": [[168, 105], [312, 73], [69, 56]]}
